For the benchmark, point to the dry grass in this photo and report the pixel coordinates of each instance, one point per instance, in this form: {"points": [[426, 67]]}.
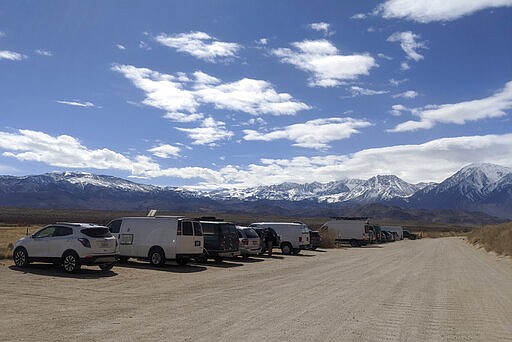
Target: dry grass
{"points": [[497, 238], [9, 235]]}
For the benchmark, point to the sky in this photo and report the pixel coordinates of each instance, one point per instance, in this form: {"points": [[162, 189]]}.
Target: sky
{"points": [[214, 94]]}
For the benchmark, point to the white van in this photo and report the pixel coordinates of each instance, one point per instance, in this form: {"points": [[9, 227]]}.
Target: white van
{"points": [[294, 235], [394, 229], [353, 230], [158, 238]]}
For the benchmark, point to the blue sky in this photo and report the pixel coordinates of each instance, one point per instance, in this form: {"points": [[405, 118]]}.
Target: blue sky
{"points": [[246, 93]]}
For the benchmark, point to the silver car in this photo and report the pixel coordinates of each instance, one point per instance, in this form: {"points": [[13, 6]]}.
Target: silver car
{"points": [[249, 241]]}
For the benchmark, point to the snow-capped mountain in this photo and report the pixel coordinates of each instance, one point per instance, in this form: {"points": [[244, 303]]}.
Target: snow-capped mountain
{"points": [[478, 187]]}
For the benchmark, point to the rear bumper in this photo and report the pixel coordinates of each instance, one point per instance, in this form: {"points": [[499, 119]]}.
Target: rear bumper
{"points": [[99, 259], [244, 251]]}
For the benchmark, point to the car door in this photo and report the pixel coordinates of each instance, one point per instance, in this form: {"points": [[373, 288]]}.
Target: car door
{"points": [[39, 243], [59, 241]]}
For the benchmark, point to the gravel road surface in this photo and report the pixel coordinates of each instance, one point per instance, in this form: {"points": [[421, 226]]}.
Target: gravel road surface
{"points": [[423, 290]]}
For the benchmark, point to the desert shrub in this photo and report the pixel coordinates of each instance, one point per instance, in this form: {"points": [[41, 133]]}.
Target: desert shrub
{"points": [[496, 238], [327, 239]]}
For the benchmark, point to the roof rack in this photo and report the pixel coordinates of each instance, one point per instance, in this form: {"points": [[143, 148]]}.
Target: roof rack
{"points": [[209, 218], [354, 218]]}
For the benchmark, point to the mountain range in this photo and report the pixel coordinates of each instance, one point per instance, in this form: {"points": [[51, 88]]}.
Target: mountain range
{"points": [[483, 188]]}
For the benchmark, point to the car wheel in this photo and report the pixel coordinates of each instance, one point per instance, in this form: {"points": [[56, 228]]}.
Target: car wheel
{"points": [[182, 261], [20, 257], [71, 262], [286, 248], [106, 267], [354, 243], [218, 259], [156, 257], [295, 251], [123, 259]]}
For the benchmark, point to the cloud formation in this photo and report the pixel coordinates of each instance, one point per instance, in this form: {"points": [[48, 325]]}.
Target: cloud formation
{"points": [[408, 43], [409, 94], [358, 91], [435, 10], [208, 133], [11, 55], [181, 96], [77, 103], [315, 134], [200, 45], [321, 59], [321, 27], [431, 161], [46, 53], [165, 151], [460, 113]]}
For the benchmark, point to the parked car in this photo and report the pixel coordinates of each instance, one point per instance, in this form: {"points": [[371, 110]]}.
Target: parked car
{"points": [[220, 239], [397, 229], [294, 235], [158, 238], [70, 245], [409, 235], [249, 241], [315, 239]]}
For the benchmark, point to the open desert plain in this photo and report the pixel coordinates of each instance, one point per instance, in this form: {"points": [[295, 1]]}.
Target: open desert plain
{"points": [[425, 290]]}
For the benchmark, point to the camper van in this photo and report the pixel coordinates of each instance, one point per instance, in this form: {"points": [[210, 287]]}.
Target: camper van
{"points": [[353, 230], [395, 229], [294, 235], [158, 238]]}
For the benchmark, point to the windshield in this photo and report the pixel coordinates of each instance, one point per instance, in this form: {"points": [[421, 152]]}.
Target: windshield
{"points": [[251, 233]]}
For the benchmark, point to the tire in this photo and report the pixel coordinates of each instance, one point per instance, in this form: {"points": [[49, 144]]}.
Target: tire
{"points": [[156, 256], [20, 257], [123, 259], [182, 261], [295, 251], [106, 267], [218, 259], [354, 243], [71, 262], [286, 248]]}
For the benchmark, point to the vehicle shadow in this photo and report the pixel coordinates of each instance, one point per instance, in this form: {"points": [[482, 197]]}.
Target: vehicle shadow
{"points": [[56, 271], [165, 268], [274, 256], [220, 264], [318, 250], [249, 260]]}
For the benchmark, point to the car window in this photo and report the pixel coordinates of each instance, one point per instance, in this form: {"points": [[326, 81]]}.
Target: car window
{"points": [[63, 231], [45, 232], [115, 226], [239, 233], [208, 228], [228, 228], [251, 233], [198, 230], [96, 232], [186, 228]]}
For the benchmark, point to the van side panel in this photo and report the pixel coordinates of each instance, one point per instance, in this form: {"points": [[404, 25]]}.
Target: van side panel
{"points": [[346, 230], [293, 233]]}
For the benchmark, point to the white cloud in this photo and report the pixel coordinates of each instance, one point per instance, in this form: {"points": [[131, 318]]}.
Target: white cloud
{"points": [[396, 83], [408, 43], [2, 34], [316, 134], [322, 27], [200, 45], [409, 94], [459, 113], [262, 41], [144, 46], [435, 10], [165, 151], [383, 56], [357, 91], [322, 60], [359, 16], [77, 103], [11, 55], [208, 133], [432, 161], [181, 96], [120, 47], [404, 66], [396, 110], [44, 53]]}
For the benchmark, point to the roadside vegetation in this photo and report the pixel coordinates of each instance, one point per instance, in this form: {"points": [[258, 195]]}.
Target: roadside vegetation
{"points": [[496, 238]]}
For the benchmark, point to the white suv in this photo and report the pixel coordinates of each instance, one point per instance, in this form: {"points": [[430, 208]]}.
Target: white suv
{"points": [[68, 244]]}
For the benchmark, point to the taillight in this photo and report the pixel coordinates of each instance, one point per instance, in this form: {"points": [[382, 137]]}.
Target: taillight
{"points": [[86, 243], [245, 241]]}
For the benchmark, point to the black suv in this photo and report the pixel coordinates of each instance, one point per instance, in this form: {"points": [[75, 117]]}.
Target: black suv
{"points": [[409, 235], [220, 239]]}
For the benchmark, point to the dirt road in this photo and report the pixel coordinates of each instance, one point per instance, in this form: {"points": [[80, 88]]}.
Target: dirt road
{"points": [[430, 289]]}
